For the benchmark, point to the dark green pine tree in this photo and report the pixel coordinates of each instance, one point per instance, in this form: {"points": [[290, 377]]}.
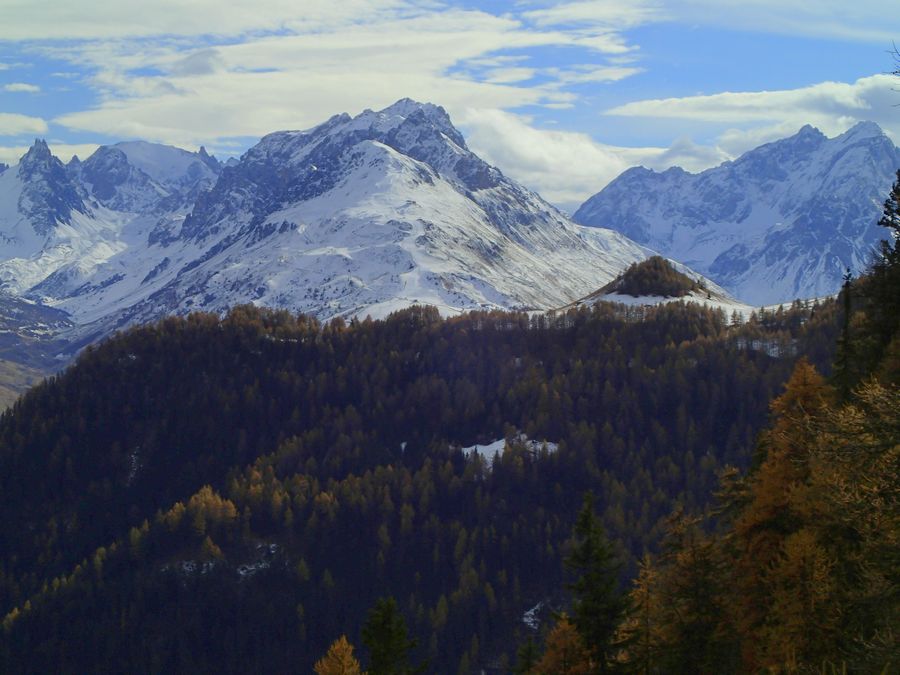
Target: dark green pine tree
{"points": [[890, 217], [527, 657], [386, 637], [883, 289], [843, 376], [598, 603]]}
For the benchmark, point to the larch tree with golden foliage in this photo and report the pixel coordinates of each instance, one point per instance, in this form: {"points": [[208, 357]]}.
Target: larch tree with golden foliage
{"points": [[339, 660], [566, 653], [855, 482], [779, 565], [641, 633]]}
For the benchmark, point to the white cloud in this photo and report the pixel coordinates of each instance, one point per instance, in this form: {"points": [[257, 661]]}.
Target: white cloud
{"points": [[28, 19], [191, 73], [22, 87], [510, 75], [568, 167], [591, 73], [13, 124], [564, 167], [210, 94], [111, 19], [862, 20], [761, 116], [65, 151], [597, 14], [690, 156]]}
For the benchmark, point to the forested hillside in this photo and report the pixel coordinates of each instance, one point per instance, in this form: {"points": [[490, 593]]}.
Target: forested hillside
{"points": [[796, 568], [653, 276], [224, 495]]}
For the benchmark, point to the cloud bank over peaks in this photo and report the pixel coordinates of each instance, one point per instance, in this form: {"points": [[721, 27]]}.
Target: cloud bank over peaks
{"points": [[567, 167]]}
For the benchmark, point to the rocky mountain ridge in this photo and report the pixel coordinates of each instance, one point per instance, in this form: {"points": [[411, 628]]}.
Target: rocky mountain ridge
{"points": [[359, 215], [783, 221]]}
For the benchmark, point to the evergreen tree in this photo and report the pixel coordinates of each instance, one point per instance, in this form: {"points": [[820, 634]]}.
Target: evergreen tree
{"points": [[526, 658], [598, 603], [881, 317], [641, 633], [844, 359], [385, 636], [890, 217], [693, 598]]}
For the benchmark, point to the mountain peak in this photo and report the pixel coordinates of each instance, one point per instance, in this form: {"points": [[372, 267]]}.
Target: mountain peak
{"points": [[782, 221], [209, 160], [167, 164], [407, 106], [39, 162], [406, 112], [38, 149], [38, 156], [809, 131], [861, 130], [48, 196]]}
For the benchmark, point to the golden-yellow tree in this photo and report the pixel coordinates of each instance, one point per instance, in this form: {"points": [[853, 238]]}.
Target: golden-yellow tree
{"points": [[778, 562], [338, 660], [642, 633], [566, 653]]}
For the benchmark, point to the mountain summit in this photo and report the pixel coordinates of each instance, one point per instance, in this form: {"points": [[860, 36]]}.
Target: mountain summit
{"points": [[358, 215], [782, 221]]}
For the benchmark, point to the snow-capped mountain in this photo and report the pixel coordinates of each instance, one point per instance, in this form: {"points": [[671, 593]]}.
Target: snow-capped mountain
{"points": [[58, 223], [42, 214], [138, 176], [783, 221], [360, 215]]}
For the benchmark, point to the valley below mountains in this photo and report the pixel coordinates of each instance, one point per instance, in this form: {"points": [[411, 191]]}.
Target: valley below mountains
{"points": [[358, 387]]}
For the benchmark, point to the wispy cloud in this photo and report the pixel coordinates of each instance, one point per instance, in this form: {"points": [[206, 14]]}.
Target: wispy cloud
{"points": [[111, 19], [191, 91], [568, 167], [591, 73], [830, 106], [860, 20], [611, 14], [22, 87], [190, 73], [510, 75], [13, 124]]}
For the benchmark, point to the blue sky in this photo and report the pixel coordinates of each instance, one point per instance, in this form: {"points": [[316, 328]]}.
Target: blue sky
{"points": [[562, 96]]}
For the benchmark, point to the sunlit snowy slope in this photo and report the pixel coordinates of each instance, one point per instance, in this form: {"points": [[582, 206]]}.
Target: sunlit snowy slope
{"points": [[357, 216]]}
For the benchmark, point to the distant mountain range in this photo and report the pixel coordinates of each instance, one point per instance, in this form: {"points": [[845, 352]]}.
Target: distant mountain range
{"points": [[783, 221], [360, 215], [364, 215]]}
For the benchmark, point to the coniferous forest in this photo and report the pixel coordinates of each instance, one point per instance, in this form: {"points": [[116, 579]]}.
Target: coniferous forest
{"points": [[680, 492]]}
